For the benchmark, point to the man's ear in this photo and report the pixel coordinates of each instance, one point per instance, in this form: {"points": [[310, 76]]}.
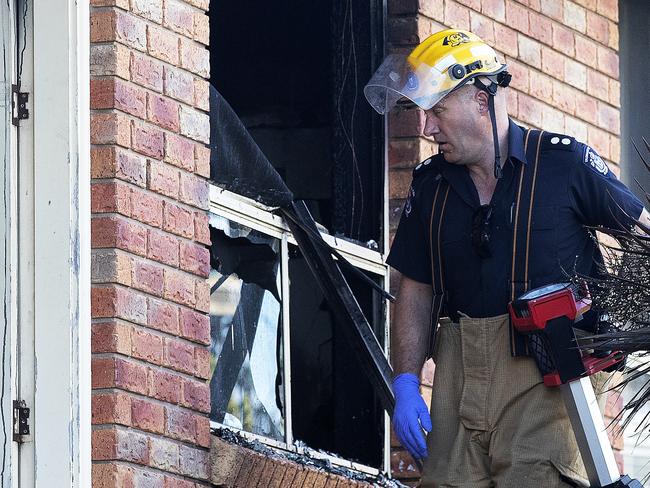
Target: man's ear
{"points": [[482, 99]]}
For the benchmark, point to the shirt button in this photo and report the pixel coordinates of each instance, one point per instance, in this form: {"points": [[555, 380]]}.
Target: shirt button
{"points": [[555, 140]]}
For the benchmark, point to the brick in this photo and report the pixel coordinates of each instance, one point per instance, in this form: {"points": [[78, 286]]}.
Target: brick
{"points": [[179, 287], [111, 336], [102, 25], [553, 63], [194, 462], [179, 355], [178, 220], [195, 124], [110, 128], [586, 108], [110, 266], [195, 258], [109, 475], [202, 292], [203, 357], [599, 140], [597, 85], [147, 346], [575, 74], [541, 86], [608, 8], [202, 228], [564, 98], [114, 196], [609, 118], [179, 151], [402, 464], [163, 45], [146, 71], [104, 444], [530, 51], [201, 28], [124, 4], [147, 207], [115, 162], [163, 316], [553, 9], [541, 28], [520, 75], [165, 386], [109, 60], [118, 232], [202, 424], [180, 424], [148, 479], [163, 179], [473, 4], [180, 483], [552, 119], [597, 27], [148, 140], [148, 277], [482, 26], [586, 50], [399, 183], [576, 128], [506, 40], [608, 62], [195, 58], [575, 17], [148, 416], [114, 301], [163, 248], [406, 123], [456, 16], [511, 103], [163, 112], [195, 326], [494, 9], [130, 376], [404, 153], [111, 408], [196, 395], [194, 191], [615, 93], [202, 94], [517, 16], [130, 30], [613, 41], [179, 84], [149, 9], [106, 93], [563, 40], [179, 18], [164, 455], [200, 4], [530, 110], [299, 477], [227, 460]]}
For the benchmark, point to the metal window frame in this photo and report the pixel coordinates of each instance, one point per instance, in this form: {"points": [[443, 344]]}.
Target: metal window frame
{"points": [[259, 217]]}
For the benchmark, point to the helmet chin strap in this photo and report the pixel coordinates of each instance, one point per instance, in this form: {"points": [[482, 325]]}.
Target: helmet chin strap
{"points": [[491, 90]]}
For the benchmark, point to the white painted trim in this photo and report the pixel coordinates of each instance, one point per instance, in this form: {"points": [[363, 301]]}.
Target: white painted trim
{"points": [[61, 241]]}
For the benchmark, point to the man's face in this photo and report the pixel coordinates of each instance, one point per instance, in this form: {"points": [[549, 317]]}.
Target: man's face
{"points": [[457, 126]]}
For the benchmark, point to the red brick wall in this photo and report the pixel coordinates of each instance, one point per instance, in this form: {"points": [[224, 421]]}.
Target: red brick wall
{"points": [[563, 56], [150, 299]]}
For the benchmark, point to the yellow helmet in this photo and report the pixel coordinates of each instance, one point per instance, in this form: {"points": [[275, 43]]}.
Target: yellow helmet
{"points": [[442, 63]]}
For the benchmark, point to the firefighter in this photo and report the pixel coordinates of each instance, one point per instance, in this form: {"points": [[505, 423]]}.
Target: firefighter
{"points": [[498, 211]]}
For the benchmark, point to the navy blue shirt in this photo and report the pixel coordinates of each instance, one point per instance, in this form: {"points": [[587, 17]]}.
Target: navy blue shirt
{"points": [[574, 189]]}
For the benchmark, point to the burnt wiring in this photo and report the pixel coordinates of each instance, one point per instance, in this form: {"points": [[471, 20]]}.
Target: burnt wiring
{"points": [[348, 61]]}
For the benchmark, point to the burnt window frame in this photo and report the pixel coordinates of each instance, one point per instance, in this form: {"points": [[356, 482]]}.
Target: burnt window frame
{"points": [[252, 214]]}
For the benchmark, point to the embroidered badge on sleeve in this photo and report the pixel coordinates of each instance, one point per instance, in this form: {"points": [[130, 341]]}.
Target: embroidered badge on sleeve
{"points": [[595, 161]]}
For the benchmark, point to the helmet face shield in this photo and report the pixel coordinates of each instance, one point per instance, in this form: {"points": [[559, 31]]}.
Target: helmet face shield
{"points": [[399, 77]]}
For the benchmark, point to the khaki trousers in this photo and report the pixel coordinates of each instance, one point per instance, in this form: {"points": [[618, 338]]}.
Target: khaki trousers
{"points": [[495, 423]]}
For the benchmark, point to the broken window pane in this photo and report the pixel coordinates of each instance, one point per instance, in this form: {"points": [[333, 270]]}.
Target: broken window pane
{"points": [[245, 316]]}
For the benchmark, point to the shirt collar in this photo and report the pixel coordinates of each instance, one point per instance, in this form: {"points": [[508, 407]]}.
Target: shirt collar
{"points": [[516, 142]]}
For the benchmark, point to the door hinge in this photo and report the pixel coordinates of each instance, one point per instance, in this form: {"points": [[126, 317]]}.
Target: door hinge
{"points": [[19, 110], [21, 420]]}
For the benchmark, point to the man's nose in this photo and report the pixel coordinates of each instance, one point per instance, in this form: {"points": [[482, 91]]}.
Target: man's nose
{"points": [[430, 124]]}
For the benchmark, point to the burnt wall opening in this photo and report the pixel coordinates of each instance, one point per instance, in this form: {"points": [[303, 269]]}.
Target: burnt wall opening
{"points": [[294, 72]]}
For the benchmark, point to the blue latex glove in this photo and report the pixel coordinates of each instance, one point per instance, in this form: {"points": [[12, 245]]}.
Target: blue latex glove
{"points": [[411, 415]]}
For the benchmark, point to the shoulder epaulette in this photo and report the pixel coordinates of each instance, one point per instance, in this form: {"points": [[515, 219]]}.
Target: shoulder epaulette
{"points": [[559, 142], [425, 166]]}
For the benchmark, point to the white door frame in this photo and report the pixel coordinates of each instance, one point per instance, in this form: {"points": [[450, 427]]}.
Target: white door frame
{"points": [[57, 55]]}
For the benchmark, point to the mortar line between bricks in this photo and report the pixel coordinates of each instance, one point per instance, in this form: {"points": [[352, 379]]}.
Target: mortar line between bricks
{"points": [[149, 90], [142, 362], [149, 22], [140, 396], [165, 198], [99, 215], [156, 332], [152, 469]]}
